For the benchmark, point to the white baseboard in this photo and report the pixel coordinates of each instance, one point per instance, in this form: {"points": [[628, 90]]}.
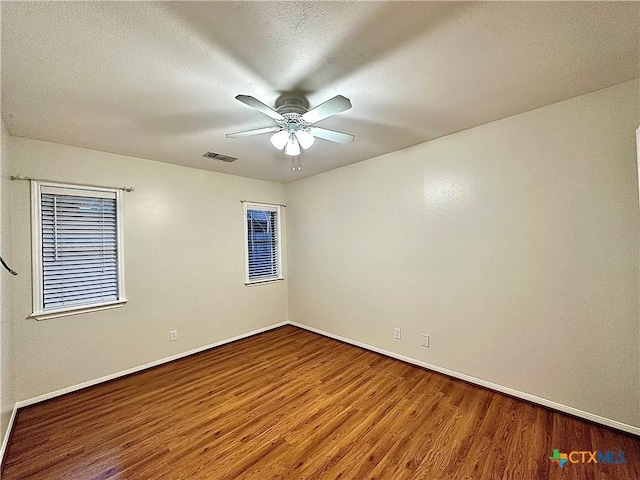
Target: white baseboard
{"points": [[483, 383], [468, 378], [7, 434], [106, 378]]}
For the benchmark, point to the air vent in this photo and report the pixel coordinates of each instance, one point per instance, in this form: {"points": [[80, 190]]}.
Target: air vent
{"points": [[219, 156]]}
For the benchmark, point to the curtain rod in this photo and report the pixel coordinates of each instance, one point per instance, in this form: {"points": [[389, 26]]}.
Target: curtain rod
{"points": [[22, 177], [263, 203]]}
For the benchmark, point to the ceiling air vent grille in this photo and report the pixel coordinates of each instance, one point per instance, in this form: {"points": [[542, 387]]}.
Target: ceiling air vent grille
{"points": [[219, 156]]}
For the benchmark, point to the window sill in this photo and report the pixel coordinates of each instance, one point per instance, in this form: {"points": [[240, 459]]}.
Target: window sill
{"points": [[63, 312], [255, 283]]}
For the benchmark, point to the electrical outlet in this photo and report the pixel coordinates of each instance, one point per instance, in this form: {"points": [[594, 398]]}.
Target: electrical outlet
{"points": [[425, 340], [397, 334], [173, 335]]}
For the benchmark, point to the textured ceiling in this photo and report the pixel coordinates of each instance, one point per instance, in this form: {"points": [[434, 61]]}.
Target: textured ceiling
{"points": [[158, 80]]}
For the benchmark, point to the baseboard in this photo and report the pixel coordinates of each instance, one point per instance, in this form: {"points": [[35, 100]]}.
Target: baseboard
{"points": [[7, 436], [483, 383], [113, 376], [467, 378]]}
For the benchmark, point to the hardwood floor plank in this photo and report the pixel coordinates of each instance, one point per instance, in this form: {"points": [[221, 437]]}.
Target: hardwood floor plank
{"points": [[290, 404]]}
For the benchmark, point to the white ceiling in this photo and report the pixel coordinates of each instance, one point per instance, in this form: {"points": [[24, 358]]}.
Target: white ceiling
{"points": [[158, 80]]}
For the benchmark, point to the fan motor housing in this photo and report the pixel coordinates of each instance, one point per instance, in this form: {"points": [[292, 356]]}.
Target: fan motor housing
{"points": [[291, 105]]}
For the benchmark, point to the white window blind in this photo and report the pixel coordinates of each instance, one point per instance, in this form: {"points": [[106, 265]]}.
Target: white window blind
{"points": [[78, 247], [263, 242]]}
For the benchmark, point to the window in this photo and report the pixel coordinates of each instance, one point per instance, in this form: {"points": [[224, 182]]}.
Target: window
{"points": [[77, 249], [262, 247]]}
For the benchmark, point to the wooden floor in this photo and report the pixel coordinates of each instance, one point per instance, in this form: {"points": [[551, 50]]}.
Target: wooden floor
{"points": [[290, 404]]}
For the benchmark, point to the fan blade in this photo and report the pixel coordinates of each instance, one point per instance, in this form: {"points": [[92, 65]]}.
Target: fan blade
{"points": [[257, 131], [331, 135], [261, 107], [327, 109]]}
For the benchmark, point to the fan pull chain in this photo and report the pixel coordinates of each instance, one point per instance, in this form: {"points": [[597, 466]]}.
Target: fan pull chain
{"points": [[296, 163]]}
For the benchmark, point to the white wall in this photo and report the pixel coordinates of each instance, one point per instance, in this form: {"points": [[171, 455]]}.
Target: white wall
{"points": [[185, 265], [514, 245], [7, 365]]}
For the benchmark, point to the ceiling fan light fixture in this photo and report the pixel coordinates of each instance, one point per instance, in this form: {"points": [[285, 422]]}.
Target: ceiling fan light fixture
{"points": [[305, 139], [293, 147], [280, 139], [294, 127]]}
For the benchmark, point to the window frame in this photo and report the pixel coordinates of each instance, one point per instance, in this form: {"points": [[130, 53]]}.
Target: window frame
{"points": [[39, 313], [268, 207]]}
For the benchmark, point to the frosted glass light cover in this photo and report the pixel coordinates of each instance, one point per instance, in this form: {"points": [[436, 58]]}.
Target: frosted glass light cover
{"points": [[280, 139], [305, 139], [293, 147]]}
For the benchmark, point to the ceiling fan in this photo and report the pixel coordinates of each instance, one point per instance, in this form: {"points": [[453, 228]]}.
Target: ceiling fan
{"points": [[295, 125]]}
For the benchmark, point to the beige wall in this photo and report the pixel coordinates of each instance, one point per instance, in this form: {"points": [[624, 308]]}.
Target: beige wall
{"points": [[185, 265], [514, 245], [7, 365]]}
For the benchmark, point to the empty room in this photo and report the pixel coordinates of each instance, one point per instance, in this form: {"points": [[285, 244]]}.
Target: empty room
{"points": [[319, 240]]}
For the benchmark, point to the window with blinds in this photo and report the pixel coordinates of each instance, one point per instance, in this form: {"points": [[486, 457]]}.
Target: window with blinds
{"points": [[78, 242], [262, 242]]}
